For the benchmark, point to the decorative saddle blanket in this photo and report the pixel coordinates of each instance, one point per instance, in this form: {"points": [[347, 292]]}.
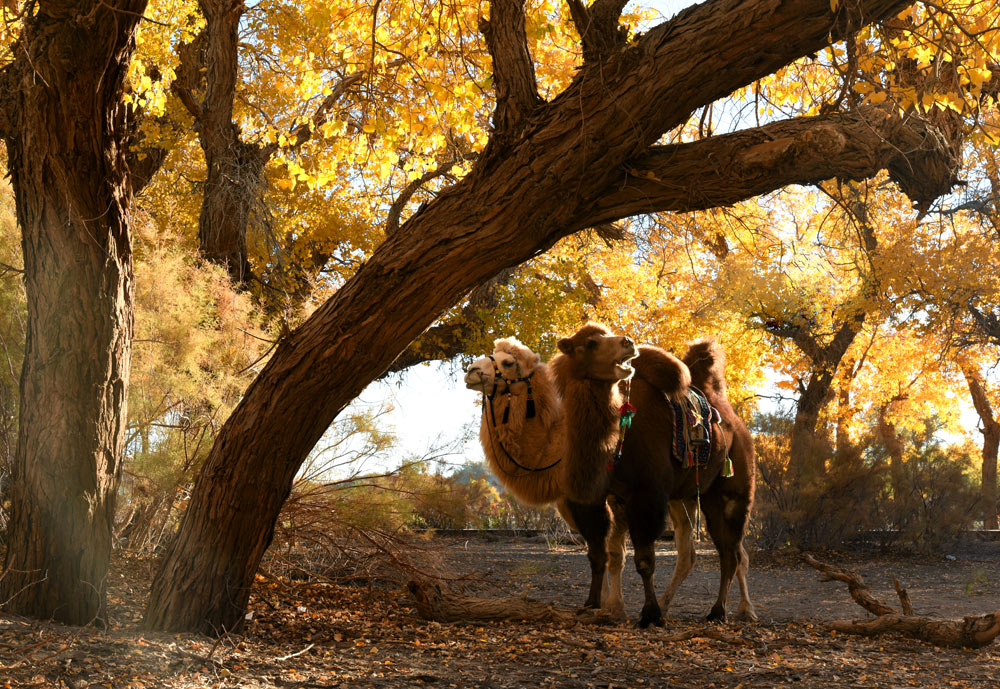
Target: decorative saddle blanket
{"points": [[693, 420]]}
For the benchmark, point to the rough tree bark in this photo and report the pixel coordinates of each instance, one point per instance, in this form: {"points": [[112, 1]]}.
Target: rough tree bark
{"points": [[233, 199], [234, 168], [64, 124], [533, 185], [991, 442]]}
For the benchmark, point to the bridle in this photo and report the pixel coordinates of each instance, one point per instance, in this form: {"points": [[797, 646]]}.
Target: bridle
{"points": [[488, 398]]}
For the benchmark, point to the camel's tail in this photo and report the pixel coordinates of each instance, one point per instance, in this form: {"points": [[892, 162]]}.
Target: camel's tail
{"points": [[707, 363], [663, 371]]}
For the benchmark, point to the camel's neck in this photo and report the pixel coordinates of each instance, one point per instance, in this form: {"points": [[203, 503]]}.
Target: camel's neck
{"points": [[591, 409]]}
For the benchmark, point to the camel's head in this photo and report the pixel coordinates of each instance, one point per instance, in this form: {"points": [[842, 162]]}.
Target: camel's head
{"points": [[598, 354], [510, 358]]}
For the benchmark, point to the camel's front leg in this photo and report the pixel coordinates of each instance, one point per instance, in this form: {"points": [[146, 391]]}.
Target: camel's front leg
{"points": [[682, 515], [614, 603], [593, 523], [647, 517]]}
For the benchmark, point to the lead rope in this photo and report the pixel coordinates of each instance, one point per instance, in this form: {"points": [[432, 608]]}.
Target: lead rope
{"points": [[625, 415], [697, 509]]}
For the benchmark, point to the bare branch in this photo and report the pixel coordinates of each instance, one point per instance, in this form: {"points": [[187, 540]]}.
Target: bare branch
{"points": [[861, 594], [392, 222], [187, 99]]}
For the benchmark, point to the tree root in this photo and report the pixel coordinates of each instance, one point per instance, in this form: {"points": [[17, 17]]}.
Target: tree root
{"points": [[434, 603], [968, 632]]}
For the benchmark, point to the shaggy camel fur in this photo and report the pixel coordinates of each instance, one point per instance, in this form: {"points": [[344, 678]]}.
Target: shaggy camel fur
{"points": [[525, 451], [645, 478]]}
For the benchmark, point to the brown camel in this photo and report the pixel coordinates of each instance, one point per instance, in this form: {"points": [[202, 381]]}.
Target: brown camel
{"points": [[639, 470], [525, 443]]}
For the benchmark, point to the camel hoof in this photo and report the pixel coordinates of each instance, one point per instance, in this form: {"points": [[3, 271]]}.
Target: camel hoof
{"points": [[747, 616], [717, 614], [651, 617], [616, 611]]}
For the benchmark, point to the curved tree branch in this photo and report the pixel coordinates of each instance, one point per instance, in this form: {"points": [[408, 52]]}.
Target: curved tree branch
{"points": [[725, 169]]}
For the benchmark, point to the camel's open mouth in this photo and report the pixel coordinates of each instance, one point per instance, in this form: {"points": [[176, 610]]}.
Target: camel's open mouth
{"points": [[625, 364]]}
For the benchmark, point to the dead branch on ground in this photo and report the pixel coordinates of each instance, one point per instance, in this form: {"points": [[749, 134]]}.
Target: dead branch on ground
{"points": [[974, 631]]}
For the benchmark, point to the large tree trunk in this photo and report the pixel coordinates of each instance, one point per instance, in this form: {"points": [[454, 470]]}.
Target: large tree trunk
{"points": [[64, 130], [991, 443], [806, 462], [542, 179]]}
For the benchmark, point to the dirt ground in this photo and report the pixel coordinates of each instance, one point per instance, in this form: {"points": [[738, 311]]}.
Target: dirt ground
{"points": [[311, 634]]}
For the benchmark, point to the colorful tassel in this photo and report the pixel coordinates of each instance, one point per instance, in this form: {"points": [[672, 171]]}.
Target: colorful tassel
{"points": [[626, 414]]}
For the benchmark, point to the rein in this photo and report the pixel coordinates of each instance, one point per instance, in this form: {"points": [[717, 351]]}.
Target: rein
{"points": [[625, 415], [529, 411]]}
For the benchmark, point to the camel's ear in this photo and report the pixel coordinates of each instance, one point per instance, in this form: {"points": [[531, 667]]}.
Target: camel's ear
{"points": [[566, 345]]}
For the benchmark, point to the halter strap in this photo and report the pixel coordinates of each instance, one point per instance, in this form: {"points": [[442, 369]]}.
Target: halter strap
{"points": [[488, 402], [529, 410], [497, 376]]}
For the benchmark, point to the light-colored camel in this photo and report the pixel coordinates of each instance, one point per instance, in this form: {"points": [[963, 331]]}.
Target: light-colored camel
{"points": [[525, 445], [643, 475]]}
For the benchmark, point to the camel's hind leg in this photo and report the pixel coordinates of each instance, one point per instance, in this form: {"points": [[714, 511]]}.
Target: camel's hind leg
{"points": [[682, 515], [746, 610], [614, 603], [725, 517], [593, 523]]}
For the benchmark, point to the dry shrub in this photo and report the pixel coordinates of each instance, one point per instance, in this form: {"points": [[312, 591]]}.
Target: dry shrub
{"points": [[856, 501], [377, 526], [936, 500], [197, 344]]}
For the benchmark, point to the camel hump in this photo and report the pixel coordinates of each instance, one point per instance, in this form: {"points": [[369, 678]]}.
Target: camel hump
{"points": [[707, 363], [662, 370]]}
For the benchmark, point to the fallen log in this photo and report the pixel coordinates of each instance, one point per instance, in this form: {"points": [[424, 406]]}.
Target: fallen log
{"points": [[968, 632]]}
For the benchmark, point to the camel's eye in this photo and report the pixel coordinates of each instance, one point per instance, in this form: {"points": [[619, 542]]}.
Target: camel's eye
{"points": [[591, 344], [507, 364]]}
